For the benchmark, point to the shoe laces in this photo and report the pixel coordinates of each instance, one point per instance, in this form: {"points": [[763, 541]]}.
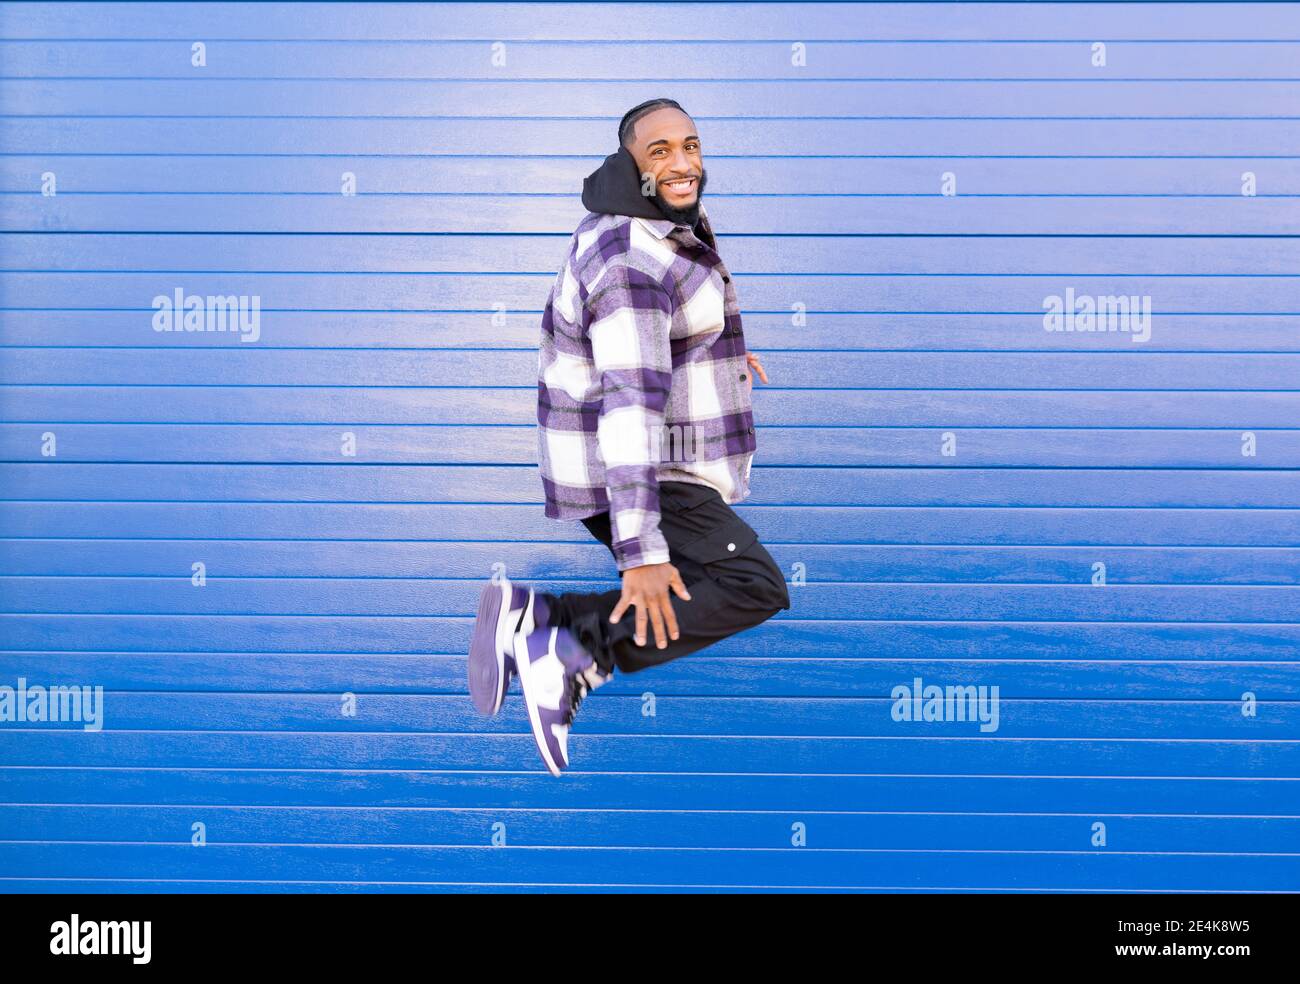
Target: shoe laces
{"points": [[580, 684]]}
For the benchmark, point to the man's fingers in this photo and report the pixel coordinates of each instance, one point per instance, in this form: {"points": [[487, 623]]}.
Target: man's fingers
{"points": [[670, 617], [619, 609], [653, 604], [640, 623], [657, 618], [680, 589], [629, 598]]}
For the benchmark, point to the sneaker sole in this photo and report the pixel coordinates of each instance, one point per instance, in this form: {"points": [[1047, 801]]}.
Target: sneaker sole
{"points": [[523, 668], [487, 662]]}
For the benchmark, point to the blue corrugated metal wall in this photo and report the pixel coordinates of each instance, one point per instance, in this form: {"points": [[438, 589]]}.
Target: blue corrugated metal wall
{"points": [[943, 473]]}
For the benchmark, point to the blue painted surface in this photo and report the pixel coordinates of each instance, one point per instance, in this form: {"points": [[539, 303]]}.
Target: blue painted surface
{"points": [[406, 316]]}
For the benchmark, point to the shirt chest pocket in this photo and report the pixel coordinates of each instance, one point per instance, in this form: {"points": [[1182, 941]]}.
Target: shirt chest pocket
{"points": [[701, 314]]}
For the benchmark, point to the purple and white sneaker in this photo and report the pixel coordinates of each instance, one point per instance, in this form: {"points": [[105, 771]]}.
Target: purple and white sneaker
{"points": [[555, 674], [504, 609]]}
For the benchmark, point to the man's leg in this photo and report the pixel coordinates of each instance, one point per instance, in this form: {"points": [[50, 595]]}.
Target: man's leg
{"points": [[733, 582]]}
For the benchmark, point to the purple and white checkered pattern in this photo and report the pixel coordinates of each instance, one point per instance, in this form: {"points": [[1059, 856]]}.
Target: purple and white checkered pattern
{"points": [[641, 333]]}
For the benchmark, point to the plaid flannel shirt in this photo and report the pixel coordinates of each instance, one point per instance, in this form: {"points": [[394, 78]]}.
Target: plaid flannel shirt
{"points": [[642, 378]]}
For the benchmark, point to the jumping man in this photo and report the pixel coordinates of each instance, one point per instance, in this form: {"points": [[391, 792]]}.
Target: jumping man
{"points": [[646, 434]]}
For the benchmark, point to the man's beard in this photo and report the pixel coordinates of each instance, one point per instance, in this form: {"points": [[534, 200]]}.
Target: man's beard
{"points": [[682, 216]]}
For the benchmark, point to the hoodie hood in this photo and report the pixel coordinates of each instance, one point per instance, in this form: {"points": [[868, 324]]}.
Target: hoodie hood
{"points": [[614, 188]]}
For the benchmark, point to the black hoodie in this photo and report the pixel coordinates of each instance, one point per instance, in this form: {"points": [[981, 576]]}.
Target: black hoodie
{"points": [[614, 188]]}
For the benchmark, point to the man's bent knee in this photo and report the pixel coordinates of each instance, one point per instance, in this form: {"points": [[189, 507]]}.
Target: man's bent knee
{"points": [[766, 592], [770, 589]]}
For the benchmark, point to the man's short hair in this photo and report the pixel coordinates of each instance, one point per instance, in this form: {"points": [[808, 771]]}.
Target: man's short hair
{"points": [[628, 122]]}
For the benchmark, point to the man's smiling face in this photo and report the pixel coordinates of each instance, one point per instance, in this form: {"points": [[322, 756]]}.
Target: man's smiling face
{"points": [[665, 146]]}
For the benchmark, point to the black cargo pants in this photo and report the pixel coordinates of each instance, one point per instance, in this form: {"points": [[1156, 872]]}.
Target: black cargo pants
{"points": [[733, 582]]}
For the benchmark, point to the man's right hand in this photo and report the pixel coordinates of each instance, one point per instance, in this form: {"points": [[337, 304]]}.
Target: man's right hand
{"points": [[647, 587]]}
